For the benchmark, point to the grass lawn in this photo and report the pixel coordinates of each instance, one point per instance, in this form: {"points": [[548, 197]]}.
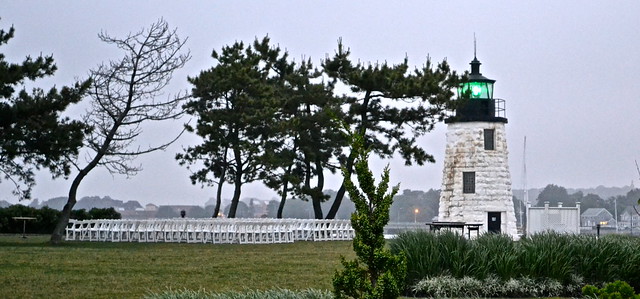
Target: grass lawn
{"points": [[31, 268]]}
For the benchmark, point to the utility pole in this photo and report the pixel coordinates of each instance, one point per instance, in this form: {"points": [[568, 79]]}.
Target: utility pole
{"points": [[615, 204], [524, 202]]}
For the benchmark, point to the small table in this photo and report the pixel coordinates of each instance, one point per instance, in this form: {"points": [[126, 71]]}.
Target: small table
{"points": [[437, 225], [24, 224], [473, 226]]}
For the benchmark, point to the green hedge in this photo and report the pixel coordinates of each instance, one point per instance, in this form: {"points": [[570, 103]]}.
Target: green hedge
{"points": [[559, 257], [46, 218]]}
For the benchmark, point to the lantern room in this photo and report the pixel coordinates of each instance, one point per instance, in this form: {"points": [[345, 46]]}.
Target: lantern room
{"points": [[475, 99]]}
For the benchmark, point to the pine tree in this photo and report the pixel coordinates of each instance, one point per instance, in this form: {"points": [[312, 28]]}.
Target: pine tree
{"points": [[235, 106], [33, 134], [392, 106]]}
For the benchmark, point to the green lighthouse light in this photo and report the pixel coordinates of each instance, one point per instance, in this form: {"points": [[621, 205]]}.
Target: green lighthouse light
{"points": [[476, 91]]}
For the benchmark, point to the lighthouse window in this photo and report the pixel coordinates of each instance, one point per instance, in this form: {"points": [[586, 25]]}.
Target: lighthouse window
{"points": [[468, 182], [489, 140]]}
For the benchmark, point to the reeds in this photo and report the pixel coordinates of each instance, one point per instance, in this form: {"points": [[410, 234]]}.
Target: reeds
{"points": [[567, 259]]}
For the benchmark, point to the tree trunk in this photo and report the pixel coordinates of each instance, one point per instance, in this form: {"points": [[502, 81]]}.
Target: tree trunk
{"points": [[216, 209], [317, 208], [317, 195], [364, 122], [340, 195], [285, 183], [236, 198], [59, 230], [65, 215], [237, 182], [285, 190]]}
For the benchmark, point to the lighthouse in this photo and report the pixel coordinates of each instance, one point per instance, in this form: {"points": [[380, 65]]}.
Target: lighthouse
{"points": [[476, 183]]}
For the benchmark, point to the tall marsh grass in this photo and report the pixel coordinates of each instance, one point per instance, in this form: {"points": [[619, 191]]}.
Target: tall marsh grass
{"points": [[547, 256]]}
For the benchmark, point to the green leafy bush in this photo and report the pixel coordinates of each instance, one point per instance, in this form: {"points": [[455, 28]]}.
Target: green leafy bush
{"points": [[615, 290], [376, 272]]}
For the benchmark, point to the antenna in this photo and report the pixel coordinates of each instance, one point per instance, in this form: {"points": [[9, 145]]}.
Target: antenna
{"points": [[524, 167], [474, 48]]}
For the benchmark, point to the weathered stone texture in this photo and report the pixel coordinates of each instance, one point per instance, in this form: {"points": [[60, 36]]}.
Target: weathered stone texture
{"points": [[465, 153]]}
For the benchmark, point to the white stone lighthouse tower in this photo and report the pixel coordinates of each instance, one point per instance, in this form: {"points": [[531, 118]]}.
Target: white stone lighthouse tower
{"points": [[476, 183]]}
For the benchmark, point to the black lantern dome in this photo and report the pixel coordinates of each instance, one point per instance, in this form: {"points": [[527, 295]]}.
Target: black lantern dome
{"points": [[475, 99]]}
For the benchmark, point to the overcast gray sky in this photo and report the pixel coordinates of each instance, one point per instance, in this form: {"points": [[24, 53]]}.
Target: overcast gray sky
{"points": [[568, 71]]}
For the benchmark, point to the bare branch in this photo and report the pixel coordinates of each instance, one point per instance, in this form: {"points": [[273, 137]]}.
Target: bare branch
{"points": [[125, 95]]}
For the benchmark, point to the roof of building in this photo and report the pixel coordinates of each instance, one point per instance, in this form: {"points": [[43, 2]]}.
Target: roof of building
{"points": [[592, 212], [630, 210]]}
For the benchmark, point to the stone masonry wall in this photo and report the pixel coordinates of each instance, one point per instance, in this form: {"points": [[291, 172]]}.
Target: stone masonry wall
{"points": [[465, 153]]}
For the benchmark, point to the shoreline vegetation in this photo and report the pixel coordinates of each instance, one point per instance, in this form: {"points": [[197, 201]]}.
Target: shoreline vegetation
{"points": [[30, 267]]}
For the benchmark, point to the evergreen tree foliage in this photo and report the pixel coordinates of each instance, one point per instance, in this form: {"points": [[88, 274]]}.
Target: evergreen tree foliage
{"points": [[391, 106], [262, 118], [235, 106], [553, 194], [376, 272], [307, 140], [33, 134]]}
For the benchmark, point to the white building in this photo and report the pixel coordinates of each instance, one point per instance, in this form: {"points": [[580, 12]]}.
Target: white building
{"points": [[594, 216], [630, 218]]}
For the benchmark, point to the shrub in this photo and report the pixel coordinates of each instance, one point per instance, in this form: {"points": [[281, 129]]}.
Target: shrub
{"points": [[615, 290], [252, 294], [420, 248], [376, 272], [571, 260], [495, 254], [492, 286], [46, 218], [547, 255], [105, 213]]}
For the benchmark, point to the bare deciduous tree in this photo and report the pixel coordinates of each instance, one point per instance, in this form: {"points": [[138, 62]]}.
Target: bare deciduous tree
{"points": [[125, 94]]}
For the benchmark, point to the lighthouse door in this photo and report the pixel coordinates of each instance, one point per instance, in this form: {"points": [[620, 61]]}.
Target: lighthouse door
{"points": [[493, 222]]}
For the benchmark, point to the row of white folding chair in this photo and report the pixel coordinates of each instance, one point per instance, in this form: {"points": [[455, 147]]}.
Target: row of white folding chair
{"points": [[264, 232], [341, 230], [76, 230], [303, 229], [210, 230], [103, 230], [162, 230], [323, 229]]}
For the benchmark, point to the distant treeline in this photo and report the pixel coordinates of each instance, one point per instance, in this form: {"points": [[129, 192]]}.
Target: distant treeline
{"points": [[87, 203], [623, 199], [402, 210], [46, 218]]}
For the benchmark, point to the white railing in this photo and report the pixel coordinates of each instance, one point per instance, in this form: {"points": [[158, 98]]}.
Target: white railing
{"points": [[216, 231], [559, 219]]}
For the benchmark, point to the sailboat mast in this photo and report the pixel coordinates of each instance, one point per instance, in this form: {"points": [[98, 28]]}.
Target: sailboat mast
{"points": [[524, 171]]}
